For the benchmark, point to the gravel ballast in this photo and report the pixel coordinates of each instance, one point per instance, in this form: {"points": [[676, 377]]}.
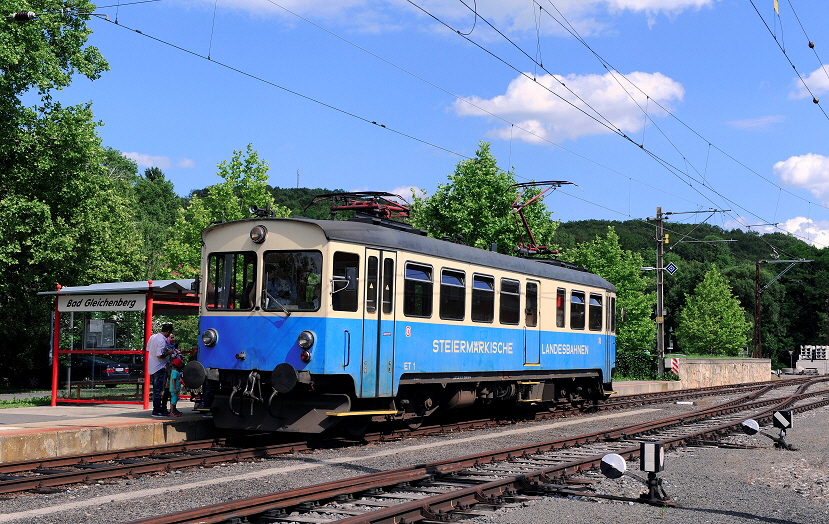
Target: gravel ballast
{"points": [[710, 484]]}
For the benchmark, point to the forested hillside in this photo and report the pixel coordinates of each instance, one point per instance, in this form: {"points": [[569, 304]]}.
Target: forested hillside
{"points": [[794, 307]]}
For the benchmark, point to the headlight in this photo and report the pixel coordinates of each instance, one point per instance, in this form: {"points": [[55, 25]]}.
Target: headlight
{"points": [[305, 340], [258, 234], [210, 337]]}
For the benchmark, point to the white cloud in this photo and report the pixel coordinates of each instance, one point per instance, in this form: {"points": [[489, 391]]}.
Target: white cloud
{"points": [[406, 192], [547, 116], [761, 123], [806, 229], [815, 233], [144, 160], [186, 163], [818, 82], [809, 171]]}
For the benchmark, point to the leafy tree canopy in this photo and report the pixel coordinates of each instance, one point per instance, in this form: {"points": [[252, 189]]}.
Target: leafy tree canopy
{"points": [[605, 257], [476, 203], [244, 184], [62, 218], [712, 321]]}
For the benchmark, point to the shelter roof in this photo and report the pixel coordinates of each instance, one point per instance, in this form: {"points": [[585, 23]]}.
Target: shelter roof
{"points": [[141, 286]]}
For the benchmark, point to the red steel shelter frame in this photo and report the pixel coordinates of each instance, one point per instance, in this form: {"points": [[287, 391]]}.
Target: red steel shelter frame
{"points": [[166, 297]]}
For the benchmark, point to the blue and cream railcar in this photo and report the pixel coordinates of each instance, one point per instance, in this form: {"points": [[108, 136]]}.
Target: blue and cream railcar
{"points": [[306, 324]]}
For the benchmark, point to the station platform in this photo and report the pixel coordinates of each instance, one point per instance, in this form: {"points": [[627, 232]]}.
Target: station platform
{"points": [[45, 431], [640, 387]]}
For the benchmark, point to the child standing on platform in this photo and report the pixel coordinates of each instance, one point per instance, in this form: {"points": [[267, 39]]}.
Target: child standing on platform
{"points": [[176, 380]]}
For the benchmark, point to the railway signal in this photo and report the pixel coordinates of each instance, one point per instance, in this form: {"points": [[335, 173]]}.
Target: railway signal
{"points": [[651, 461], [780, 419]]}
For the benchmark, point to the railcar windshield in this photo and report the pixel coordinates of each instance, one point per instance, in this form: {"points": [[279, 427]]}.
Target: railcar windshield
{"points": [[230, 280], [293, 281]]}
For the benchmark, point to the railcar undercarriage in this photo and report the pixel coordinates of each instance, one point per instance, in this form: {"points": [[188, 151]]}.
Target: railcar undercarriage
{"points": [[285, 400]]}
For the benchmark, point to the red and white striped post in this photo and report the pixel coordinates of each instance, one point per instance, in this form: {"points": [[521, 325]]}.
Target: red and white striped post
{"points": [[675, 366]]}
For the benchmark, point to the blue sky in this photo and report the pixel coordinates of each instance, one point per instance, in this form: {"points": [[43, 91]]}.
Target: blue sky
{"points": [[683, 104]]}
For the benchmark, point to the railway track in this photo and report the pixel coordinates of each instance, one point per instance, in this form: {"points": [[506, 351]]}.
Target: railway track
{"points": [[464, 486], [48, 475]]}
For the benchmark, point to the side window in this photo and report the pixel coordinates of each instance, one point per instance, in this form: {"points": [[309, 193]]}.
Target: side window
{"points": [[531, 311], [388, 286], [595, 316], [231, 280], [560, 295], [452, 294], [577, 312], [346, 281], [371, 285], [417, 291], [483, 298], [611, 312], [510, 311]]}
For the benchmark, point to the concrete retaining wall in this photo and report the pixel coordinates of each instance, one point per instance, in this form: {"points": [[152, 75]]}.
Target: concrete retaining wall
{"points": [[701, 372]]}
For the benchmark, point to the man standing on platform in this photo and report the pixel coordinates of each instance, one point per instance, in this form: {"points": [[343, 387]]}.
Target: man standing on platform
{"points": [[157, 352]]}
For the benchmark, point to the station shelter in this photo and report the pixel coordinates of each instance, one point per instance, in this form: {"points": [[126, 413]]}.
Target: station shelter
{"points": [[100, 333]]}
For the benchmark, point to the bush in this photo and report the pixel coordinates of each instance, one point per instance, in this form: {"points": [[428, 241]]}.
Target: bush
{"points": [[636, 365]]}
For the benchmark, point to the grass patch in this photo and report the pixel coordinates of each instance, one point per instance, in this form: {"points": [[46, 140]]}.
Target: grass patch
{"points": [[26, 402]]}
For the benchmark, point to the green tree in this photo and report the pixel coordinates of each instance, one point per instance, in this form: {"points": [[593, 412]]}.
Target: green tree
{"points": [[476, 203], [158, 207], [712, 321], [244, 184], [62, 218], [605, 257]]}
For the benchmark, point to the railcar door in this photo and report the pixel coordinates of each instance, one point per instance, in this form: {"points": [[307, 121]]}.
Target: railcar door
{"points": [[609, 332], [532, 343], [376, 372]]}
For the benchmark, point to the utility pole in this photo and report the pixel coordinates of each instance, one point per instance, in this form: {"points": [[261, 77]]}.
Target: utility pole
{"points": [[660, 275], [757, 352], [660, 292]]}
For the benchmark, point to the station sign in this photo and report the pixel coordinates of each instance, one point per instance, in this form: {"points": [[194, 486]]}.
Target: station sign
{"points": [[126, 302]]}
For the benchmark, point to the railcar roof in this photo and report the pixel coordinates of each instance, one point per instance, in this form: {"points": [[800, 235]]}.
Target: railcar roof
{"points": [[372, 235], [384, 237]]}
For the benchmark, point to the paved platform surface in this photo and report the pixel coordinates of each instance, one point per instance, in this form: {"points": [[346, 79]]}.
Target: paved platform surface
{"points": [[41, 432]]}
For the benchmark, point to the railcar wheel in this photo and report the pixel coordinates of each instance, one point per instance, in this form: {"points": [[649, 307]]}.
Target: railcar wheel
{"points": [[354, 427]]}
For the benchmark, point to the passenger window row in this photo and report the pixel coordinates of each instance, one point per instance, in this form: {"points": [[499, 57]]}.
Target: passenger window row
{"points": [[586, 309]]}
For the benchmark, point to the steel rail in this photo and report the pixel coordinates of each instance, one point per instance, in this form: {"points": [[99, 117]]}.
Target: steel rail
{"points": [[42, 475], [274, 505]]}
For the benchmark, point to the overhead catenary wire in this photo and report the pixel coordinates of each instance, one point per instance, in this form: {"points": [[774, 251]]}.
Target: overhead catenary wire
{"points": [[611, 70], [788, 59], [291, 91], [513, 125], [811, 43], [672, 169], [341, 110], [573, 32]]}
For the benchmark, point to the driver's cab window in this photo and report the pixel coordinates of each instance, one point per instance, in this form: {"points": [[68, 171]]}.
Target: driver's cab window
{"points": [[345, 282], [293, 281], [230, 280]]}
